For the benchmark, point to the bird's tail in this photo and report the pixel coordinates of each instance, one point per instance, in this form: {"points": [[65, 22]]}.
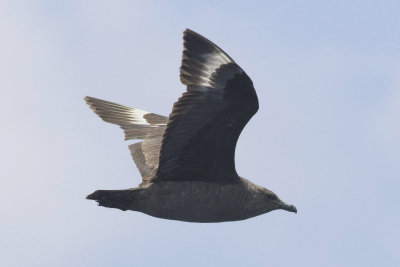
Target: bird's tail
{"points": [[119, 199]]}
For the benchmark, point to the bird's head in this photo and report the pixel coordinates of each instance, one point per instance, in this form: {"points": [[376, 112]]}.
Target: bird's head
{"points": [[276, 203]]}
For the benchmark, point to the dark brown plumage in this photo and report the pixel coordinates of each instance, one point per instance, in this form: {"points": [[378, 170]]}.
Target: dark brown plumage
{"points": [[187, 160]]}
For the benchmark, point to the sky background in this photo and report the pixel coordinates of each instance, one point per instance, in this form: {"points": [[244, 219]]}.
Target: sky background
{"points": [[326, 137]]}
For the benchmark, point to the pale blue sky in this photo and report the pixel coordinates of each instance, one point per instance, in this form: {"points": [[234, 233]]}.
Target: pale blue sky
{"points": [[326, 137]]}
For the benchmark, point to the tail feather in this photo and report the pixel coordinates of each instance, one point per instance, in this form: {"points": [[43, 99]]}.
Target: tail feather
{"points": [[119, 199]]}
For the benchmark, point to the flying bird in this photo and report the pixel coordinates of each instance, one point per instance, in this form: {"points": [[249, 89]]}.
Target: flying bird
{"points": [[187, 160]]}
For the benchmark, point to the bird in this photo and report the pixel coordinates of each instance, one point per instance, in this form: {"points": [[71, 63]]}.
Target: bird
{"points": [[187, 160]]}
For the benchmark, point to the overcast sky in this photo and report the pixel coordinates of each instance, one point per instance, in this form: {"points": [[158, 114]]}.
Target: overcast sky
{"points": [[326, 137]]}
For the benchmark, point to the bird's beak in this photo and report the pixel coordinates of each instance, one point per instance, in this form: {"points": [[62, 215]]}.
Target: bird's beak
{"points": [[290, 208]]}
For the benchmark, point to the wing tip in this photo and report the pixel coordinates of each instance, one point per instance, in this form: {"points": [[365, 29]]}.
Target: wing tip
{"points": [[87, 99], [189, 34], [192, 41], [90, 101], [188, 31]]}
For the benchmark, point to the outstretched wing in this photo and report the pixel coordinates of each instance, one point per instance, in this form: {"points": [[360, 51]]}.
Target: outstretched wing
{"points": [[205, 124], [137, 124]]}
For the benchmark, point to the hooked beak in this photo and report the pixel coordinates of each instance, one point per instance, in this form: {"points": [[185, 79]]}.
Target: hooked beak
{"points": [[290, 208]]}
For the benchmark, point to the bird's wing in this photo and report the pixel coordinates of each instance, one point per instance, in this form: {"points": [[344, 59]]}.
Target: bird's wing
{"points": [[137, 124], [200, 139]]}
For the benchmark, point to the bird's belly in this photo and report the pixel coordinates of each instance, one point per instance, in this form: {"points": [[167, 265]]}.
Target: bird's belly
{"points": [[193, 202]]}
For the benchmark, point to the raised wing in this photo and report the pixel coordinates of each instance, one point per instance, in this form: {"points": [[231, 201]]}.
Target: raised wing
{"points": [[203, 128], [137, 124]]}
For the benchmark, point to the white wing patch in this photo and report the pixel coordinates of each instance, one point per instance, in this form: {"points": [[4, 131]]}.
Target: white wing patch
{"points": [[212, 62], [137, 116], [137, 124], [202, 61]]}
